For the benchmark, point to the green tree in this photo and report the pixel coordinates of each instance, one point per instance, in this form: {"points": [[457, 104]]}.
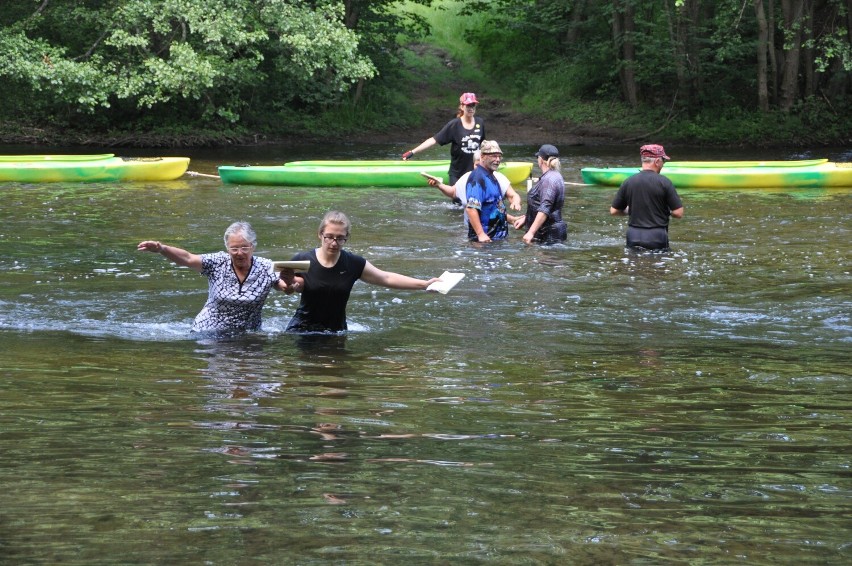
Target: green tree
{"points": [[210, 58], [687, 55]]}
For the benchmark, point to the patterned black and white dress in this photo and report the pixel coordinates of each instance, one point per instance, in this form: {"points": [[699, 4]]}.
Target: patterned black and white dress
{"points": [[233, 306]]}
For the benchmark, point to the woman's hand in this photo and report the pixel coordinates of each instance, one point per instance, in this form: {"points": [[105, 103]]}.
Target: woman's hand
{"points": [[515, 201], [292, 284], [287, 275], [150, 246]]}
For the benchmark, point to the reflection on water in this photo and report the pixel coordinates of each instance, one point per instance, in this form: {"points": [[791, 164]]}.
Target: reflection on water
{"points": [[571, 404]]}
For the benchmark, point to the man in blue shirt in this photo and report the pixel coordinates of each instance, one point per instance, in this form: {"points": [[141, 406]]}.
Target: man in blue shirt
{"points": [[485, 209]]}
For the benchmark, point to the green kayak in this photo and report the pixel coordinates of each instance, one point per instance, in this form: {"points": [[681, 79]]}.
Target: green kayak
{"points": [[729, 164], [89, 168], [354, 173], [823, 175], [370, 163]]}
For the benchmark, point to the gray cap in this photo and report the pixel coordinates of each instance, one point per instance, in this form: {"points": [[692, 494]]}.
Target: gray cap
{"points": [[547, 151]]}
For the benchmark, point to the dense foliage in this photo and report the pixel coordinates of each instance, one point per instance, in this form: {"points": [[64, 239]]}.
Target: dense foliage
{"points": [[193, 61], [785, 65], [703, 69]]}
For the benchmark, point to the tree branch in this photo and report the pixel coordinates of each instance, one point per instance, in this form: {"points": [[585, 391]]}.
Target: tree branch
{"points": [[42, 7], [91, 50], [672, 115]]}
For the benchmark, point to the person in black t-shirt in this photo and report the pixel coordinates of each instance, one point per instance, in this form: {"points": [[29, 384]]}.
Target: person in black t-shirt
{"points": [[649, 199], [466, 132], [326, 286]]}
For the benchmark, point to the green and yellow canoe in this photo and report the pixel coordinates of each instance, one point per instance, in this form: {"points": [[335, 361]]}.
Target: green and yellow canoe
{"points": [[377, 173], [822, 175], [89, 168], [738, 164]]}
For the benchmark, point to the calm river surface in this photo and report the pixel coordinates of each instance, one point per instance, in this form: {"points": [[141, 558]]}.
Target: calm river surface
{"points": [[576, 404]]}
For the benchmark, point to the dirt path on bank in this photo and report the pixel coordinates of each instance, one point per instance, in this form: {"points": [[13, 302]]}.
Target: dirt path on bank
{"points": [[503, 123]]}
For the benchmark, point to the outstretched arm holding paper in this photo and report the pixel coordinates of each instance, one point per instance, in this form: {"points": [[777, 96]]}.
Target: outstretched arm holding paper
{"points": [[326, 285]]}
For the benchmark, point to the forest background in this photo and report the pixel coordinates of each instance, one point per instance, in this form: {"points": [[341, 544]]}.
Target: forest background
{"points": [[174, 73]]}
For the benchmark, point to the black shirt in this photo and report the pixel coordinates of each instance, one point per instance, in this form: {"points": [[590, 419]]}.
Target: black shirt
{"points": [[326, 293], [651, 198], [464, 141]]}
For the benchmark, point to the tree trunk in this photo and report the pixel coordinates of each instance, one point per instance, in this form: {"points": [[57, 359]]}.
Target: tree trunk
{"points": [[793, 13], [350, 14], [678, 26], [577, 15], [808, 51], [623, 26], [772, 76], [683, 30], [762, 50]]}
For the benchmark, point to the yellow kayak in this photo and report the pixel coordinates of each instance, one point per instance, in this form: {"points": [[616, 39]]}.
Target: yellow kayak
{"points": [[28, 158], [89, 168]]}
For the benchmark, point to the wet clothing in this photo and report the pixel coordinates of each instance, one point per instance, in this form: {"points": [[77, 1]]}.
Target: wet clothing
{"points": [[548, 196], [464, 141], [648, 238], [326, 292], [485, 195], [649, 198], [461, 189], [233, 306]]}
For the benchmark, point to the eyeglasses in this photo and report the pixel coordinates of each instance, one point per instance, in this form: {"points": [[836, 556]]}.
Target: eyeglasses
{"points": [[339, 239], [470, 105], [244, 249]]}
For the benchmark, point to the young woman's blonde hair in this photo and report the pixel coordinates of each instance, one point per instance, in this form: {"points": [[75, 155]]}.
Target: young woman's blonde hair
{"points": [[335, 217]]}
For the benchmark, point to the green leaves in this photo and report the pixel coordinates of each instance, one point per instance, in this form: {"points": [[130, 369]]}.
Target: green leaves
{"points": [[313, 50], [90, 55]]}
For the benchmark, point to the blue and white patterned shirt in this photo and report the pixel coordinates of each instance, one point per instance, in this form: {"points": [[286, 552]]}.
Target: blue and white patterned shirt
{"points": [[233, 306]]}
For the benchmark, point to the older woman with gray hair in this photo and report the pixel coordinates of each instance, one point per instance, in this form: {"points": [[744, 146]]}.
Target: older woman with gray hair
{"points": [[543, 220], [238, 282]]}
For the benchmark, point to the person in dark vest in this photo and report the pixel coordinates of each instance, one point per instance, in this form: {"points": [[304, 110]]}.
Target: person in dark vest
{"points": [[543, 221]]}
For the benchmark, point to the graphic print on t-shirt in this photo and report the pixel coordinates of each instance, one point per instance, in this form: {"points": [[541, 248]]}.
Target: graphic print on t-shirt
{"points": [[470, 142]]}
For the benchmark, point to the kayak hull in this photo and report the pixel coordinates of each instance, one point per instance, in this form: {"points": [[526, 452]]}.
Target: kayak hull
{"points": [[728, 164], [55, 157], [825, 175], [397, 174], [54, 169]]}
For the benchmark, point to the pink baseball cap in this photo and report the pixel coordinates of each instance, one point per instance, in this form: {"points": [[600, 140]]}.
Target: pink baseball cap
{"points": [[654, 150], [468, 98]]}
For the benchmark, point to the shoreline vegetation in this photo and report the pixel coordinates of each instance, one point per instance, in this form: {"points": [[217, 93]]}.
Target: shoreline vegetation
{"points": [[580, 96]]}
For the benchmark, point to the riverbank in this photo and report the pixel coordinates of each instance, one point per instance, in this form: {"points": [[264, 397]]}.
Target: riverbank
{"points": [[504, 125]]}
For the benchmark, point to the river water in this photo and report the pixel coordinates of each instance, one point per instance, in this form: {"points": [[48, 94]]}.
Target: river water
{"points": [[576, 404]]}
